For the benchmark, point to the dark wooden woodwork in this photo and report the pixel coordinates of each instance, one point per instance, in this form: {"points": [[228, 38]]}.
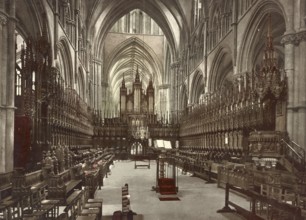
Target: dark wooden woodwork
{"points": [[33, 184], [62, 185], [291, 211], [74, 204], [5, 184], [92, 181], [22, 143]]}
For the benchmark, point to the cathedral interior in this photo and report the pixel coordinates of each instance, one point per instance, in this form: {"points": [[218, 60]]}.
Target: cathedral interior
{"points": [[108, 108]]}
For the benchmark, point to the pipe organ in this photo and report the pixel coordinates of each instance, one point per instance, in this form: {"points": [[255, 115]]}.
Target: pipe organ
{"points": [[137, 122], [136, 102]]}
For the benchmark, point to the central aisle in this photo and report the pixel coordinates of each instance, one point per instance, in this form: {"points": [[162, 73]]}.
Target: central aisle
{"points": [[198, 201]]}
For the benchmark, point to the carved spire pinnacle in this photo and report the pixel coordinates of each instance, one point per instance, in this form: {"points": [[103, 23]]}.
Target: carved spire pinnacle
{"points": [[123, 82], [269, 80], [269, 35], [150, 82], [137, 78], [269, 53]]}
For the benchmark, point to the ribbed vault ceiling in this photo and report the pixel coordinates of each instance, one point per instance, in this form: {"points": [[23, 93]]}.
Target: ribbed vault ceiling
{"points": [[167, 14], [124, 61]]}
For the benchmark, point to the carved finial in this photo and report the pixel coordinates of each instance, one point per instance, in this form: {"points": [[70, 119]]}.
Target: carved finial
{"points": [[123, 81], [269, 35], [137, 78]]}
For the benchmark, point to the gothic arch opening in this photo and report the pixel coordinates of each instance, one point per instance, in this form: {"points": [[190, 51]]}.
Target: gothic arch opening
{"points": [[256, 33], [197, 87], [65, 62], [222, 70]]}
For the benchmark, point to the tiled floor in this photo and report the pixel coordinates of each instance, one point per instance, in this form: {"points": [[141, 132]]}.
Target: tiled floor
{"points": [[198, 201]]}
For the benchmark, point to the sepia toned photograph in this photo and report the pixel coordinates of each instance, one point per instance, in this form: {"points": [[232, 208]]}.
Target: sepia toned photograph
{"points": [[152, 109]]}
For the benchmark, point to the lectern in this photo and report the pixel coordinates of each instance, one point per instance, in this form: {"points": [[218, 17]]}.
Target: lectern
{"points": [[166, 177]]}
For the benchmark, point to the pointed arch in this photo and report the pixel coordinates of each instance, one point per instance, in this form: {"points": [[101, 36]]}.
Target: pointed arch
{"points": [[64, 60], [222, 68], [197, 87], [183, 97], [254, 34]]}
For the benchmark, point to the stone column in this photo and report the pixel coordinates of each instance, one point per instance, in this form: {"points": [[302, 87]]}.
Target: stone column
{"points": [[289, 43], [76, 41], [235, 30], [175, 87], [56, 20], [301, 104], [3, 66], [104, 87], [7, 76]]}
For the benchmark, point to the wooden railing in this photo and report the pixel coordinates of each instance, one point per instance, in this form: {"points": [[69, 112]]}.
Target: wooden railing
{"points": [[22, 183], [5, 184], [295, 154], [235, 175], [275, 207], [92, 181]]}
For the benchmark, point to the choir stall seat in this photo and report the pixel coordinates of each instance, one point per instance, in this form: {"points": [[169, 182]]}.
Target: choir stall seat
{"points": [[62, 185], [74, 204], [29, 189]]}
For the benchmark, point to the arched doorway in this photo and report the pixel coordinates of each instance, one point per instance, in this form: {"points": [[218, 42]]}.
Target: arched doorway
{"points": [[136, 149], [139, 153]]}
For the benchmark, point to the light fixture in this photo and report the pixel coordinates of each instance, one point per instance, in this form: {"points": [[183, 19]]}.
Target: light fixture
{"points": [[270, 79]]}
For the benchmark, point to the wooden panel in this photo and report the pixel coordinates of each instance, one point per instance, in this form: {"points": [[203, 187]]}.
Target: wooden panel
{"points": [[22, 141]]}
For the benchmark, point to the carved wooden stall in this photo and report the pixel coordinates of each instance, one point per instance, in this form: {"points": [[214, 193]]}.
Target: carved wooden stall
{"points": [[240, 131], [31, 97], [49, 113]]}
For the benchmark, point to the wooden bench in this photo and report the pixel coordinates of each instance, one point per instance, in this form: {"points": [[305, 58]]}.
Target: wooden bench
{"points": [[5, 184], [74, 204], [92, 181], [24, 184], [62, 185], [141, 158], [31, 186]]}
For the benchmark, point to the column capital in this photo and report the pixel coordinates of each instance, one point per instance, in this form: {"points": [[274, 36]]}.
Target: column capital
{"points": [[175, 64], [294, 38], [3, 19], [301, 36], [164, 86], [289, 39]]}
